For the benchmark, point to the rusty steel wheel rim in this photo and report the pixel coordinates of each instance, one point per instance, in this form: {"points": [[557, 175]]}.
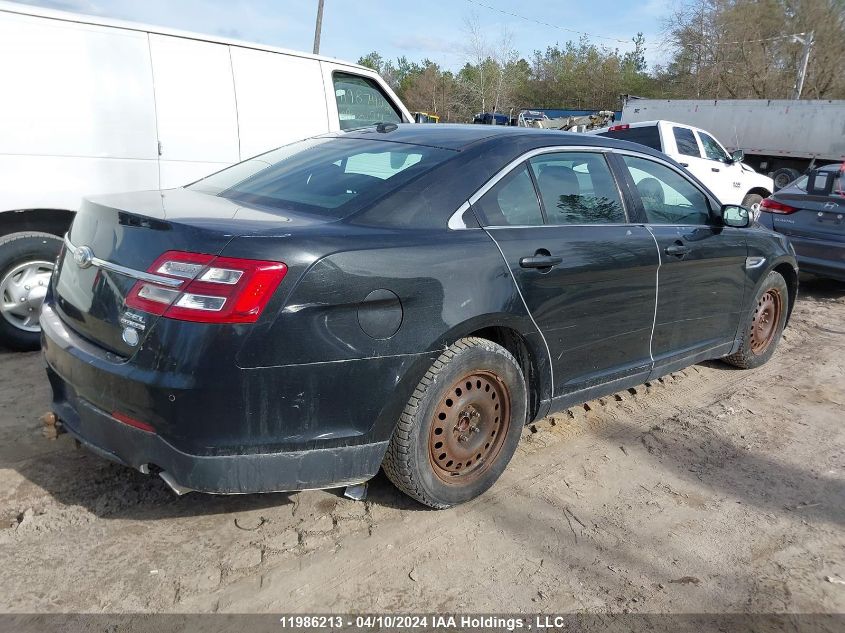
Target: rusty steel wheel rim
{"points": [[470, 424], [764, 325]]}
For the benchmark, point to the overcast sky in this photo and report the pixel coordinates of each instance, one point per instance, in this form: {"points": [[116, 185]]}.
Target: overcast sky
{"points": [[416, 29]]}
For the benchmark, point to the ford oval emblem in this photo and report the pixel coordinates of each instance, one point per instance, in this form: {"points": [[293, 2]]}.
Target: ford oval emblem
{"points": [[83, 256]]}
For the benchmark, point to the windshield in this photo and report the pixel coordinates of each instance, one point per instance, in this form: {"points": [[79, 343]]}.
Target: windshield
{"points": [[334, 176]]}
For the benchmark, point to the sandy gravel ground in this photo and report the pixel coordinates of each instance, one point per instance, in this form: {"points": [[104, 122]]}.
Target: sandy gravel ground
{"points": [[711, 490]]}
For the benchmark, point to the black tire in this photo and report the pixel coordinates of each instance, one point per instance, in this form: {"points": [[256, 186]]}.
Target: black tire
{"points": [[758, 346], [752, 203], [464, 380], [784, 176], [16, 250]]}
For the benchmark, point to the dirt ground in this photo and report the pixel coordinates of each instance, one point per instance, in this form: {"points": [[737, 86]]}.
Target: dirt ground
{"points": [[712, 490]]}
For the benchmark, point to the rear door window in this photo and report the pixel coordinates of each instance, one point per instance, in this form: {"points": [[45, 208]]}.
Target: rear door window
{"points": [[512, 201], [647, 135], [685, 140], [361, 102], [577, 188]]}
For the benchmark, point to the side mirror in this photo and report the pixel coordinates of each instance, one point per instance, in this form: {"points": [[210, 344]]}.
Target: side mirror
{"points": [[737, 156], [735, 216]]}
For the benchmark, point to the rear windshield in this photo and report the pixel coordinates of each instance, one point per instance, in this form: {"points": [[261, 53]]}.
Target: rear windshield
{"points": [[333, 176], [647, 135], [837, 189]]}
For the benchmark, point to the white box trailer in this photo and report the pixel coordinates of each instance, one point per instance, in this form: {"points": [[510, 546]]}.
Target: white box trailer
{"points": [[782, 138], [94, 106]]}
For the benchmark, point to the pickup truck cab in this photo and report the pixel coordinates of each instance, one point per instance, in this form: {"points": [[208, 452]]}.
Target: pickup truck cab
{"points": [[703, 156]]}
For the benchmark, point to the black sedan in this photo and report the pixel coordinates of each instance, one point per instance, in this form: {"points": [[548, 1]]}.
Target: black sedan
{"points": [[400, 297], [811, 213]]}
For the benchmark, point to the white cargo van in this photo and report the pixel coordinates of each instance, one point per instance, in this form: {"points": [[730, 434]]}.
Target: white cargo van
{"points": [[94, 106]]}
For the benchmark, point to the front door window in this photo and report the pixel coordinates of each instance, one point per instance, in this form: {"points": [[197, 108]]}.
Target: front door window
{"points": [[667, 197]]}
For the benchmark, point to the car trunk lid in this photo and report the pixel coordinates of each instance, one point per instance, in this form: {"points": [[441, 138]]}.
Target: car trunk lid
{"points": [[125, 234], [817, 217]]}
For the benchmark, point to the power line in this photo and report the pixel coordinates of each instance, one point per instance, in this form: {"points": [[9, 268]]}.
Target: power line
{"points": [[554, 26], [766, 39]]}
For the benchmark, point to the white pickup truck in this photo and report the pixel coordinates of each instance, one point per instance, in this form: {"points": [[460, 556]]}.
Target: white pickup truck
{"points": [[724, 174]]}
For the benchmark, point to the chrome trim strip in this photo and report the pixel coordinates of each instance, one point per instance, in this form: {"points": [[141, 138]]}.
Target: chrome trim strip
{"points": [[554, 149], [455, 224], [129, 272], [558, 226], [455, 220]]}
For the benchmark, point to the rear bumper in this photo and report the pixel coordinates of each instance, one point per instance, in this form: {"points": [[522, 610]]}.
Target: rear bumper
{"points": [[248, 446], [824, 258], [224, 474]]}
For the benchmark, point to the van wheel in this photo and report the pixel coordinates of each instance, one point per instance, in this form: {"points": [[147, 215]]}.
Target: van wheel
{"points": [[26, 263], [763, 325], [460, 427]]}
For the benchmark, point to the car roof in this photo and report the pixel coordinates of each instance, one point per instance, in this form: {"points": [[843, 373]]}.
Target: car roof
{"points": [[461, 137]]}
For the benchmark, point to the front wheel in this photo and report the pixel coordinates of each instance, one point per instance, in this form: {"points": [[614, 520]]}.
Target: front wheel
{"points": [[763, 325], [26, 263], [460, 427], [752, 203]]}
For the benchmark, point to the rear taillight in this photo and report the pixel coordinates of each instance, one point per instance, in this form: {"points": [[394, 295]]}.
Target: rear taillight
{"points": [[615, 128], [773, 206], [213, 289], [130, 421]]}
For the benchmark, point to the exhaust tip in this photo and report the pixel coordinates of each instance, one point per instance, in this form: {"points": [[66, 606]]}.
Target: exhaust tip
{"points": [[174, 485]]}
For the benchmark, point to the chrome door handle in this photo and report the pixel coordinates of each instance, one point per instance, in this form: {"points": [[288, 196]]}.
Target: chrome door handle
{"points": [[678, 250], [540, 261]]}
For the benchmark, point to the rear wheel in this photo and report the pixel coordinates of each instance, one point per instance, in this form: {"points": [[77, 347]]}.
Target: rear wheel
{"points": [[460, 427], [26, 263], [763, 325]]}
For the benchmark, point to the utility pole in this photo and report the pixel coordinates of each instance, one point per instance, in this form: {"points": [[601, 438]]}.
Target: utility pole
{"points": [[319, 27], [807, 41]]}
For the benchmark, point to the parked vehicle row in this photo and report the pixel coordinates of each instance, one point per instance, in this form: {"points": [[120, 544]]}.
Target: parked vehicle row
{"points": [[104, 106], [405, 297], [811, 213]]}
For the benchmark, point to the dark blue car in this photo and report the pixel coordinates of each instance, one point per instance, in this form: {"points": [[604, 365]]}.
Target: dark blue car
{"points": [[811, 212]]}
